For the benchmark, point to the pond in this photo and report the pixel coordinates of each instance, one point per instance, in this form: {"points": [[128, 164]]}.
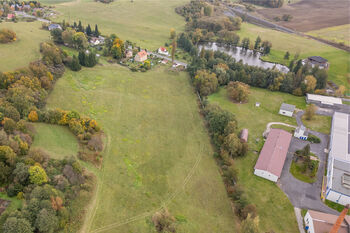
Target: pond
{"points": [[248, 57]]}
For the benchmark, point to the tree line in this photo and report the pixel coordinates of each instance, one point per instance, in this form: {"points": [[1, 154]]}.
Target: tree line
{"points": [[48, 188]]}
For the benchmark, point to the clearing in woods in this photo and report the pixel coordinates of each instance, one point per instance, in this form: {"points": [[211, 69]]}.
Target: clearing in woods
{"points": [[158, 151], [311, 14], [56, 140], [25, 49], [269, 199]]}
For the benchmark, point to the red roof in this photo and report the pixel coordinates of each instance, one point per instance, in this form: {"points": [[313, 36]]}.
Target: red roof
{"points": [[162, 49], [274, 152], [142, 53], [324, 222]]}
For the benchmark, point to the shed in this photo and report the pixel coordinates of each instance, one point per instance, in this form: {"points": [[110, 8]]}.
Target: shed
{"points": [[301, 133], [244, 135], [273, 155], [318, 61], [257, 104], [287, 109], [54, 26]]}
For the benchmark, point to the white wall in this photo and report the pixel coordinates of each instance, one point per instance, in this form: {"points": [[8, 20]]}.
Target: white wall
{"points": [[265, 174], [309, 222], [338, 197], [286, 113]]}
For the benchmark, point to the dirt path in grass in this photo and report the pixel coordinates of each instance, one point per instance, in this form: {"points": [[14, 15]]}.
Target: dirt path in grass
{"points": [[268, 126]]}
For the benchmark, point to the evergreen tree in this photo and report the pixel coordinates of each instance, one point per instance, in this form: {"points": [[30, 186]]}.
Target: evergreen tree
{"points": [[88, 30], [82, 58], [75, 65], [257, 42], [97, 33], [75, 25], [80, 27], [286, 56]]}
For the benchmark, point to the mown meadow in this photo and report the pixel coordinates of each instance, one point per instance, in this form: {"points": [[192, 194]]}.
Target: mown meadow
{"points": [[157, 150]]}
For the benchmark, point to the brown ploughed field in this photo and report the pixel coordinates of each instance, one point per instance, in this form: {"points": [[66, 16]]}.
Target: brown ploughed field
{"points": [[311, 14]]}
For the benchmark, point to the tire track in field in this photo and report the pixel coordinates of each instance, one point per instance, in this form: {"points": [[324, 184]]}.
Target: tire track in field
{"points": [[164, 204]]}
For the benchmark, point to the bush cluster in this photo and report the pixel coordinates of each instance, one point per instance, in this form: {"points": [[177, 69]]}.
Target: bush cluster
{"points": [[7, 35]]}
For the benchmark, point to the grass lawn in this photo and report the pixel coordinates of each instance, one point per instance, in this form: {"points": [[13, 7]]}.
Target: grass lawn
{"points": [[25, 49], [283, 42], [286, 128], [157, 152], [271, 202], [56, 140], [295, 169], [15, 203], [337, 34], [146, 22], [319, 123], [336, 206]]}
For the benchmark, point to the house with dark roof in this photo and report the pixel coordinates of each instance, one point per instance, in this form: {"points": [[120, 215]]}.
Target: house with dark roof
{"points": [[317, 61], [273, 155], [318, 222], [287, 109]]}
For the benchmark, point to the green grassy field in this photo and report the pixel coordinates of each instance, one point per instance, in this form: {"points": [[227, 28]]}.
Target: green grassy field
{"points": [[56, 140], [319, 123], [337, 34], [25, 49], [157, 152], [282, 42], [271, 202], [146, 22]]}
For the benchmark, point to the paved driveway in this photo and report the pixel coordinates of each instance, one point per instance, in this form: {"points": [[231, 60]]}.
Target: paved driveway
{"points": [[305, 195]]}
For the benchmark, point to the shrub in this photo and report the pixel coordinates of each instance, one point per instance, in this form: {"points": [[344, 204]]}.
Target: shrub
{"points": [[9, 125], [33, 116], [313, 139], [7, 35], [37, 175]]}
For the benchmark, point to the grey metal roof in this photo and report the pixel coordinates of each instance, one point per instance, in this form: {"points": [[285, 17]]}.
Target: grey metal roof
{"points": [[339, 144], [339, 168], [287, 107], [318, 59]]}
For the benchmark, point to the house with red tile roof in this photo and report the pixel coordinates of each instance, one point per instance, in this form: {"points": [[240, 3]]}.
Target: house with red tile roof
{"points": [[10, 16], [273, 155], [318, 222], [163, 51], [141, 56]]}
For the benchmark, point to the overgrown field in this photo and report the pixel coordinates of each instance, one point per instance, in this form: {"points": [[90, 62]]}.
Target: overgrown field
{"points": [[147, 22], [56, 140], [25, 49], [339, 70], [157, 151], [337, 34], [271, 202]]}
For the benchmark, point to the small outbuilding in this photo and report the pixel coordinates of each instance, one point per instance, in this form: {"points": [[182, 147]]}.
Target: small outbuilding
{"points": [[163, 51], [257, 104], [323, 100], [301, 133], [244, 135], [54, 26], [141, 56], [287, 109], [273, 155]]}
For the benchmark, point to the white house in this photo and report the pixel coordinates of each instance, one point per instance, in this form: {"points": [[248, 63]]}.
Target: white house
{"points": [[301, 133], [338, 171], [287, 109], [273, 155], [163, 51], [318, 222]]}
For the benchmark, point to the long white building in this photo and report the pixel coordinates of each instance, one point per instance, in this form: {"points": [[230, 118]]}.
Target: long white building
{"points": [[338, 172]]}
